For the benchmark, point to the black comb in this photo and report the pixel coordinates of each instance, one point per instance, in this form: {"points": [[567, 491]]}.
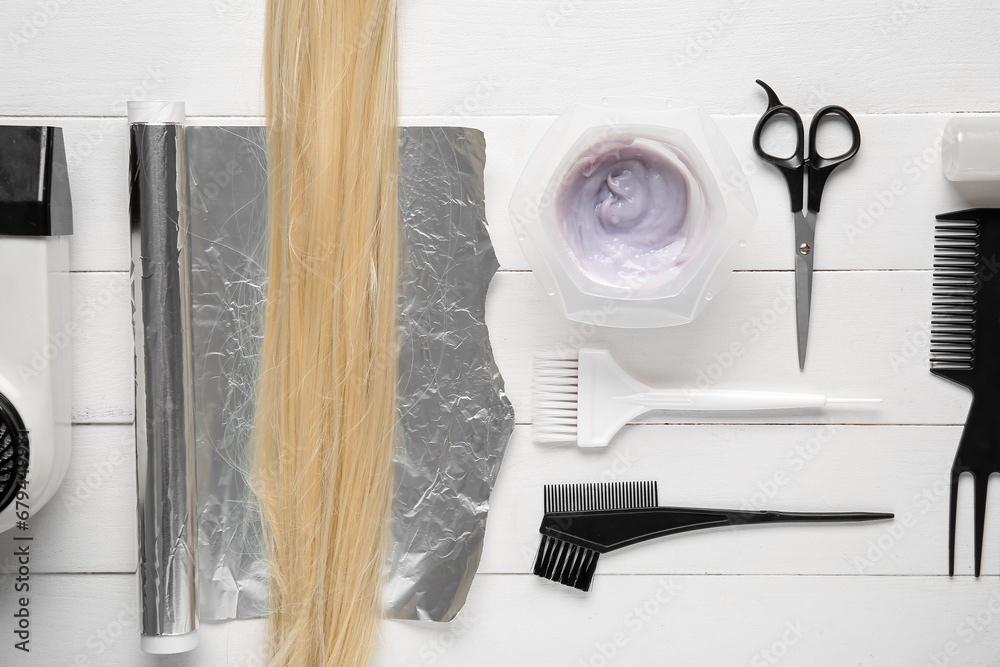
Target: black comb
{"points": [[583, 521], [966, 309]]}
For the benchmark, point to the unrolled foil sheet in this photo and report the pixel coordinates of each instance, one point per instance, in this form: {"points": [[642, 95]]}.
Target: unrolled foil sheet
{"points": [[163, 419], [455, 419], [227, 216]]}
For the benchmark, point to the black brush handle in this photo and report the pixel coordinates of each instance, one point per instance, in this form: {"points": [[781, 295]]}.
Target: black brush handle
{"points": [[607, 530]]}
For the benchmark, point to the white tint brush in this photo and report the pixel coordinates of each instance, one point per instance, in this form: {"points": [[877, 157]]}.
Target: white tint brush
{"points": [[584, 398]]}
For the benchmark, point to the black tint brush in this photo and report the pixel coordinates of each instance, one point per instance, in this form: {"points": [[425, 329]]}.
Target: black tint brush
{"points": [[583, 521], [965, 324]]}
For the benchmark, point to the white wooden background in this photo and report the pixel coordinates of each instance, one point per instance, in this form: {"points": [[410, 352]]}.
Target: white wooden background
{"points": [[873, 594]]}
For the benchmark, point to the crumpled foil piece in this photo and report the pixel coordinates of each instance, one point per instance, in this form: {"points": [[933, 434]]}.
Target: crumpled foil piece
{"points": [[455, 420]]}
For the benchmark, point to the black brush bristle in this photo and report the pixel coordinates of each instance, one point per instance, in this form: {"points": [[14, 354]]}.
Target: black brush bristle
{"points": [[571, 564], [565, 563], [603, 496], [956, 283]]}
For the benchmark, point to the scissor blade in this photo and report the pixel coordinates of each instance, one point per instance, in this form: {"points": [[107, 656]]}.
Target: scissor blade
{"points": [[805, 232]]}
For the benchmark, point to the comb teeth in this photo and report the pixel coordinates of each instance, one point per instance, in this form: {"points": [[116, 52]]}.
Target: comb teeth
{"points": [[555, 397], [565, 563], [596, 497], [953, 310]]}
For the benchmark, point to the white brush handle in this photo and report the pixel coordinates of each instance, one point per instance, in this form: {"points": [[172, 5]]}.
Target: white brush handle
{"points": [[590, 398], [683, 399]]}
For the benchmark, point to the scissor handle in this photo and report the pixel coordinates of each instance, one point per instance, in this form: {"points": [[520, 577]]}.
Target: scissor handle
{"points": [[821, 167], [790, 166]]}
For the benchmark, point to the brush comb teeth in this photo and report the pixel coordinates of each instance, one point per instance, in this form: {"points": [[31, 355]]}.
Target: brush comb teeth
{"points": [[597, 497], [555, 398], [956, 283]]}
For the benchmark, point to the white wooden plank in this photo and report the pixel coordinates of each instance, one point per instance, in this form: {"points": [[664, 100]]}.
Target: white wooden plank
{"points": [[90, 524], [710, 621], [878, 211], [521, 620], [825, 468], [759, 467], [540, 56], [103, 361], [524, 57], [867, 338], [89, 58], [91, 620], [806, 467], [877, 214]]}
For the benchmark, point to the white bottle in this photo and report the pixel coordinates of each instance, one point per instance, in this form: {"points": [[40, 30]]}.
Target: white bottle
{"points": [[970, 149]]}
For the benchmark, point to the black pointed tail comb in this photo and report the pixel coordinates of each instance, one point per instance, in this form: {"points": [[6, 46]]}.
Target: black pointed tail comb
{"points": [[965, 322], [583, 521]]}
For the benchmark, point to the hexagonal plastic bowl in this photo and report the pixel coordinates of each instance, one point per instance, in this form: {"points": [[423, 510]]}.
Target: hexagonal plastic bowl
{"points": [[722, 210]]}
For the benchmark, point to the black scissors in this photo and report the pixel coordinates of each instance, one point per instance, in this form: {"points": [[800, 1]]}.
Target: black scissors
{"points": [[794, 168]]}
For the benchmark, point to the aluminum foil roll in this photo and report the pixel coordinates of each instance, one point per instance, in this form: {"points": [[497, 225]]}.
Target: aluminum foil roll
{"points": [[164, 422]]}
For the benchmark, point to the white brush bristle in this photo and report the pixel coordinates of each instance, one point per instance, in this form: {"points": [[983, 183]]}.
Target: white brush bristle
{"points": [[554, 408]]}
